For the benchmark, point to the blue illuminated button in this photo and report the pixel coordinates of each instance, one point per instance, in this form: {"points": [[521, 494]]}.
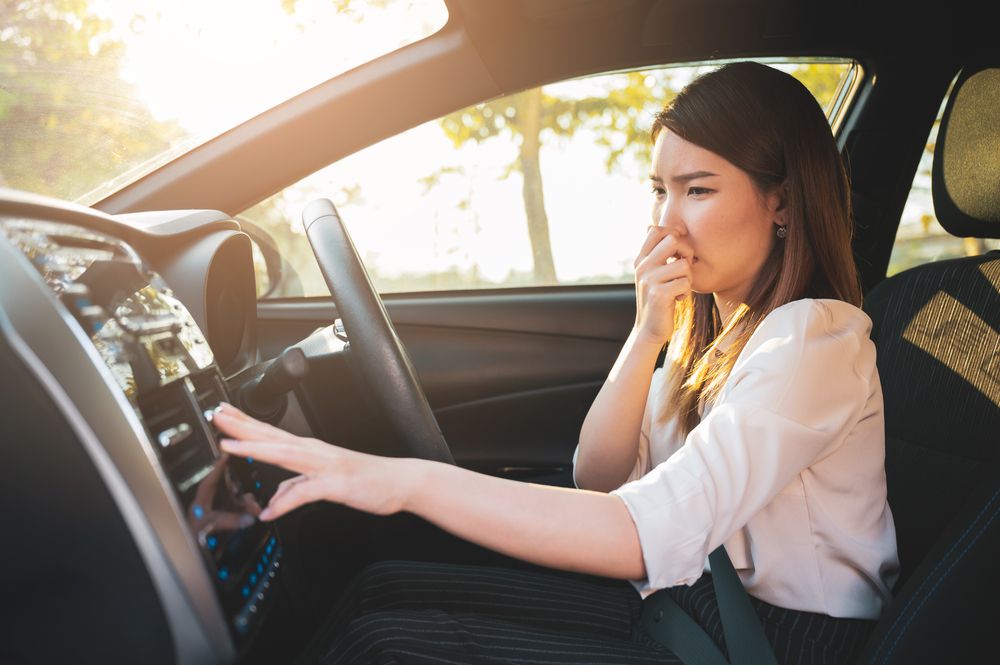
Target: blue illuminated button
{"points": [[249, 460], [211, 541], [264, 558], [198, 512], [260, 569], [223, 574], [253, 578], [257, 484], [245, 591]]}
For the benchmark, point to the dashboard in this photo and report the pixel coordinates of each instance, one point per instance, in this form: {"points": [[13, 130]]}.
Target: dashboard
{"points": [[123, 331]]}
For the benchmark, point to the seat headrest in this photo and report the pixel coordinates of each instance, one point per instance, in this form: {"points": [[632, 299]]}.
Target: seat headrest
{"points": [[966, 167]]}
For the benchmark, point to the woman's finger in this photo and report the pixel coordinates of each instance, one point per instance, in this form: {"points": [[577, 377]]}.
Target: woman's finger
{"points": [[674, 290], [273, 432], [288, 455], [239, 428], [669, 271], [286, 485], [658, 255], [297, 495], [654, 280], [668, 247], [227, 408], [653, 236]]}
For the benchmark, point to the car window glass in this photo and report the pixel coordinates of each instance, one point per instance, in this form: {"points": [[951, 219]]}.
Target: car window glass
{"points": [[920, 238], [542, 188], [90, 100]]}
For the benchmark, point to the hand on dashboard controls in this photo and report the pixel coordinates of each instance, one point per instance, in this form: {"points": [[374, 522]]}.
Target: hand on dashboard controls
{"points": [[326, 472]]}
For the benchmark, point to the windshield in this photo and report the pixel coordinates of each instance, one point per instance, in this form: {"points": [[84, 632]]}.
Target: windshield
{"points": [[94, 94]]}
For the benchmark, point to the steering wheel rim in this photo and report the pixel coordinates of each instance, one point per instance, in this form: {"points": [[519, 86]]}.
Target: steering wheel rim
{"points": [[373, 343]]}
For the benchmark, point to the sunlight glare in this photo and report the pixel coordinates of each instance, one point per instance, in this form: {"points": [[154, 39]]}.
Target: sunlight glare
{"points": [[210, 65]]}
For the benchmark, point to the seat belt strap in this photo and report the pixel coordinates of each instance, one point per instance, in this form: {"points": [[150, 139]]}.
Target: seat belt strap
{"points": [[745, 639], [672, 627]]}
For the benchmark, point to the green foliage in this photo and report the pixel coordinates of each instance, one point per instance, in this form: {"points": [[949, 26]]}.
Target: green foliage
{"points": [[620, 119], [822, 79], [68, 123]]}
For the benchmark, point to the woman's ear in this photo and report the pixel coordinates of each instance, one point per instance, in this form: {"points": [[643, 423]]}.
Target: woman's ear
{"points": [[778, 199]]}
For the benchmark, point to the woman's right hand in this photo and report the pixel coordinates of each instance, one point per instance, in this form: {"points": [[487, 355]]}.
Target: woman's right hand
{"points": [[325, 472], [660, 282]]}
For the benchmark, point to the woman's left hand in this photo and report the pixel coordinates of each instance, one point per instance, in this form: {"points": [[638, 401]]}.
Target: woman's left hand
{"points": [[326, 472]]}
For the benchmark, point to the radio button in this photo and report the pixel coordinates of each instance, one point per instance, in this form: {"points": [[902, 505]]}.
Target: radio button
{"points": [[173, 435]]}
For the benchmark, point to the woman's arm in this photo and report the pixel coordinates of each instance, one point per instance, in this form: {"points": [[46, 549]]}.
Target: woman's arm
{"points": [[578, 530], [609, 438], [574, 530]]}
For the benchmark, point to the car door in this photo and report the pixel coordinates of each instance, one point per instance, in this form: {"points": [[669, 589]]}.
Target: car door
{"points": [[510, 376]]}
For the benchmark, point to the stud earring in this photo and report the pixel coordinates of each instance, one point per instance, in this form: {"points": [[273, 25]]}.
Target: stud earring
{"points": [[781, 232]]}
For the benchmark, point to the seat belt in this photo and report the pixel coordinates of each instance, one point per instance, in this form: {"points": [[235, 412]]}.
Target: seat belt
{"points": [[745, 637], [672, 627]]}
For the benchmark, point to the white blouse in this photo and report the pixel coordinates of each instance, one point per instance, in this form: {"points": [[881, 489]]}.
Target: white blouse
{"points": [[786, 469]]}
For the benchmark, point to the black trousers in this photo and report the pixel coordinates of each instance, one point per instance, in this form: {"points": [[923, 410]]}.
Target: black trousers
{"points": [[419, 613]]}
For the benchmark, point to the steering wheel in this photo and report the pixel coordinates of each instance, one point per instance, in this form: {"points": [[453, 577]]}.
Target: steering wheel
{"points": [[373, 343]]}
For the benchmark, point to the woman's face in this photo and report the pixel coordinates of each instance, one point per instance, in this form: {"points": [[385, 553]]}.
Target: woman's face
{"points": [[723, 225]]}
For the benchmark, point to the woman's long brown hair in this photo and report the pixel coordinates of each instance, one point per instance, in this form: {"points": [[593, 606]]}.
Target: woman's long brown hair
{"points": [[769, 125]]}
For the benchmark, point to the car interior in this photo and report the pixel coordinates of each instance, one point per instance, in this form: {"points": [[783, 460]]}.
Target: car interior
{"points": [[124, 324]]}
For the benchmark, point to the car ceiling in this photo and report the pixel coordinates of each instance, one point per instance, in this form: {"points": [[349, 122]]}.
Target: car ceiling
{"points": [[492, 48]]}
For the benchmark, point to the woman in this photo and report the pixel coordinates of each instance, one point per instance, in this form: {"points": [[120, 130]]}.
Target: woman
{"points": [[762, 432]]}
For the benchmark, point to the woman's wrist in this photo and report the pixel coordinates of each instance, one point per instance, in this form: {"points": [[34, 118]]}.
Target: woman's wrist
{"points": [[645, 339], [410, 476]]}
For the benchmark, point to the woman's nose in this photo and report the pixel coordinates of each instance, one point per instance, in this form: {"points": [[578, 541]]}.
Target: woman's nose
{"points": [[667, 216]]}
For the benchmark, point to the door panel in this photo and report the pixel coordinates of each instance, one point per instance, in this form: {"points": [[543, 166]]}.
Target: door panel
{"points": [[510, 375]]}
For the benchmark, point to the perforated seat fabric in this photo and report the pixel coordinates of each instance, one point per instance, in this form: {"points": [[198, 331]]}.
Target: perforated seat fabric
{"points": [[937, 332], [935, 329]]}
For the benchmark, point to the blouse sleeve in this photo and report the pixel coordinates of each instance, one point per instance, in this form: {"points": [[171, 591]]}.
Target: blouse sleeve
{"points": [[793, 396]]}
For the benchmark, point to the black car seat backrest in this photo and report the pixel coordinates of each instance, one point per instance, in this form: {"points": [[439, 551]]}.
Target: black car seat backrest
{"points": [[936, 330]]}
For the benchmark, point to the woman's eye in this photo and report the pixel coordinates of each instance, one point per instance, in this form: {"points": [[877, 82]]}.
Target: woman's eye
{"points": [[699, 191], [659, 191]]}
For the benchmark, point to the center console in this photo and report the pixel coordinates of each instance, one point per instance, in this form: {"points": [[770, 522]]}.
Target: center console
{"points": [[201, 506]]}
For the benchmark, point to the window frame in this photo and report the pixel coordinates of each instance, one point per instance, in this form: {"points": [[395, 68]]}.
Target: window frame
{"points": [[847, 96]]}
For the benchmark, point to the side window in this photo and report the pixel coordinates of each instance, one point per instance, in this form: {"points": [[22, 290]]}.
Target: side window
{"points": [[920, 238], [542, 188]]}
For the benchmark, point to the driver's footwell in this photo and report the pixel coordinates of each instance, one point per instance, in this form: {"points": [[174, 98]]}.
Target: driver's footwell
{"points": [[419, 612]]}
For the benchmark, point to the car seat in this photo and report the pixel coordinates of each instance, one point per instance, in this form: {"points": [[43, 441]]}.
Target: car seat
{"points": [[936, 330]]}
